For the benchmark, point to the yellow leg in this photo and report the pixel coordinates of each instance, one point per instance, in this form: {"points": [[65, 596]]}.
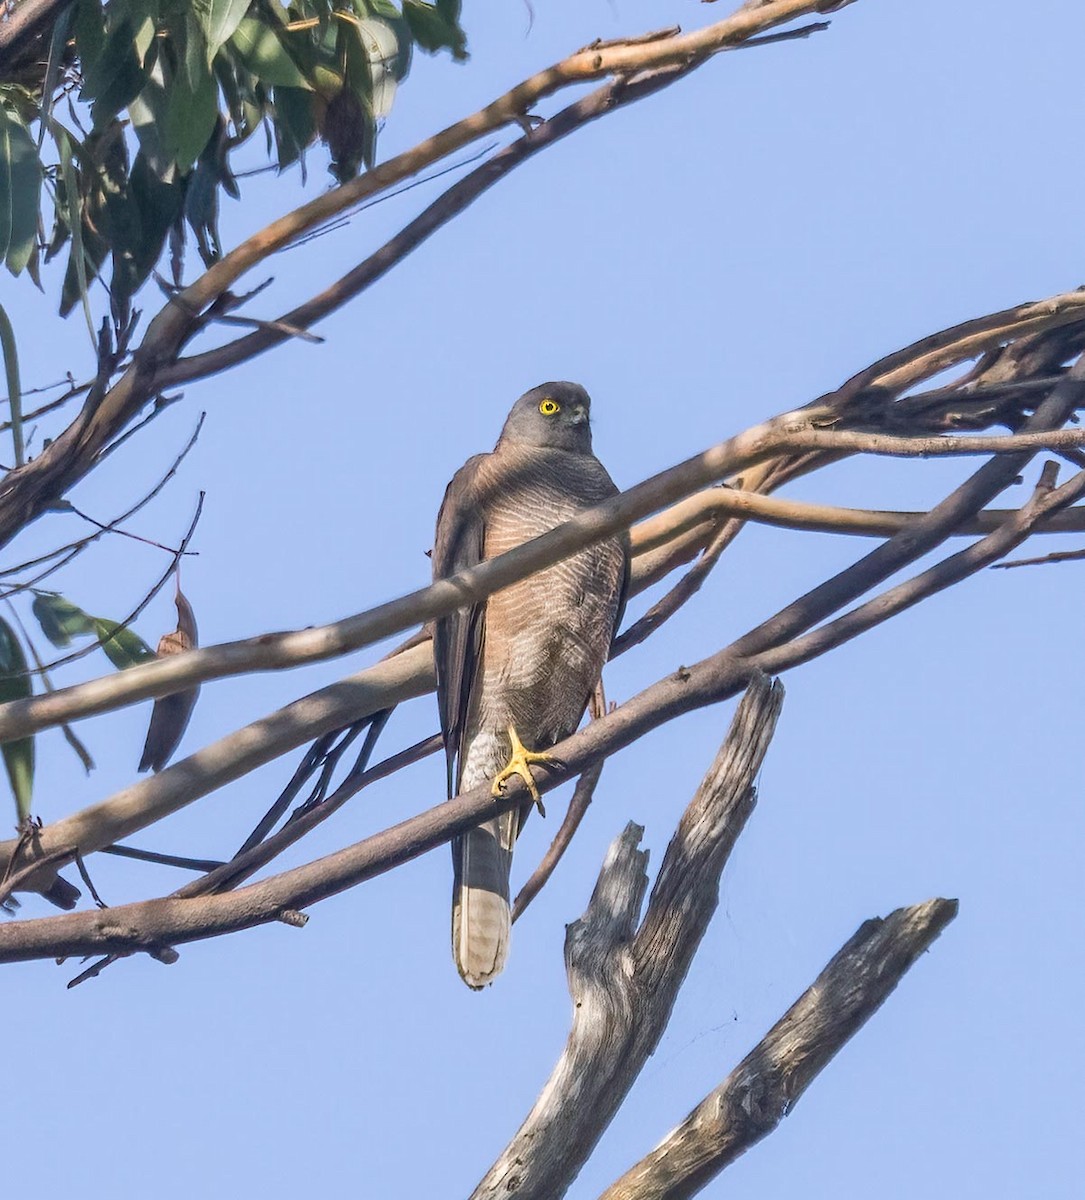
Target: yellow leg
{"points": [[519, 763]]}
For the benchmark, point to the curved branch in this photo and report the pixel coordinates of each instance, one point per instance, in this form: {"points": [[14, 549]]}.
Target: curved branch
{"points": [[785, 434], [26, 493], [710, 681], [157, 796], [411, 674], [617, 94], [22, 26], [574, 814], [149, 924]]}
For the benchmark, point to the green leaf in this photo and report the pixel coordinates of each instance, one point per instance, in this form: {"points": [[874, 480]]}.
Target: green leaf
{"points": [[119, 73], [77, 746], [15, 392], [57, 43], [61, 231], [382, 51], [260, 49], [89, 29], [387, 13], [158, 205], [190, 116], [20, 191], [123, 647], [348, 125], [219, 20], [76, 278], [144, 27], [202, 207], [437, 26], [295, 123], [60, 619], [193, 50], [148, 113], [15, 685], [33, 266]]}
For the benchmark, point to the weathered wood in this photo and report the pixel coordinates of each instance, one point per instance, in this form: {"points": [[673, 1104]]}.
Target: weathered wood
{"points": [[624, 979], [765, 1086]]}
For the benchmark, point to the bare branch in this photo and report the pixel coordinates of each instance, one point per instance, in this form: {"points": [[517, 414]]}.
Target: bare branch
{"points": [[769, 1081], [933, 354], [786, 434], [1044, 560], [149, 800], [574, 814], [624, 980], [921, 536], [710, 681], [952, 570], [637, 66], [409, 674], [152, 923], [703, 510]]}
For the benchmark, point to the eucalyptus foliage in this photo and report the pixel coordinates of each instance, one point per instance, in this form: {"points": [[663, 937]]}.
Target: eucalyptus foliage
{"points": [[119, 123], [118, 126]]}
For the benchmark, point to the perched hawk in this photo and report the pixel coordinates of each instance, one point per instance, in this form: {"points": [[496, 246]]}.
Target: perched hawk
{"points": [[515, 674]]}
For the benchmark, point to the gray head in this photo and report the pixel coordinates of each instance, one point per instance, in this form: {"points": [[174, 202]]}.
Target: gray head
{"points": [[553, 415]]}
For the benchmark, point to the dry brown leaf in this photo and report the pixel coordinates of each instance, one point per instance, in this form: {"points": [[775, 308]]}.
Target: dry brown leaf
{"points": [[171, 714]]}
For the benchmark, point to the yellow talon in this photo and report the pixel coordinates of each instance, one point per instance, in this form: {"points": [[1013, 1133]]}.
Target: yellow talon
{"points": [[519, 763]]}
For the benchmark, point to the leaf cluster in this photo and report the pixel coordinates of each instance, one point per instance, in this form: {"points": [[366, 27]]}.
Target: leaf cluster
{"points": [[61, 621], [145, 103]]}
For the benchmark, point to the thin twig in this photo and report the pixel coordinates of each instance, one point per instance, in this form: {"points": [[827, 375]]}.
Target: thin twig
{"points": [[244, 864], [1058, 557], [85, 876], [12, 881], [166, 860], [79, 545], [789, 433], [683, 590], [343, 221], [578, 806], [175, 558]]}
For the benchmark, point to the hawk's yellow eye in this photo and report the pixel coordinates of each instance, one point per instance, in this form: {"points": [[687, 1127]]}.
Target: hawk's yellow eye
{"points": [[548, 407]]}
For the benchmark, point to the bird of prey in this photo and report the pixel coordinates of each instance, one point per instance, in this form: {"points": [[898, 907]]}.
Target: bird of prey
{"points": [[515, 674]]}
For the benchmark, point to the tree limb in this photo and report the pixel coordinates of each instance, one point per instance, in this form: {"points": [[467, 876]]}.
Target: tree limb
{"points": [[787, 434], [769, 1081], [20, 30], [623, 979], [714, 679], [578, 806], [27, 492], [165, 922]]}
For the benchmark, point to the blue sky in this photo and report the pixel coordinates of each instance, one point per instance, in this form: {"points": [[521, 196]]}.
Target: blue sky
{"points": [[725, 250]]}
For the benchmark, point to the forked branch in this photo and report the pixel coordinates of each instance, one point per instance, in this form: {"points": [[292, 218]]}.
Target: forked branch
{"points": [[769, 1081], [790, 433], [624, 979], [633, 67]]}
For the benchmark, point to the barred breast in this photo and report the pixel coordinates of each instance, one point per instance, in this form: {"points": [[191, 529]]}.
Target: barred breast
{"points": [[547, 637]]}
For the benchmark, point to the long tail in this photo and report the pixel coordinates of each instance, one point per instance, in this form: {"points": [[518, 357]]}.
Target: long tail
{"points": [[481, 916]]}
